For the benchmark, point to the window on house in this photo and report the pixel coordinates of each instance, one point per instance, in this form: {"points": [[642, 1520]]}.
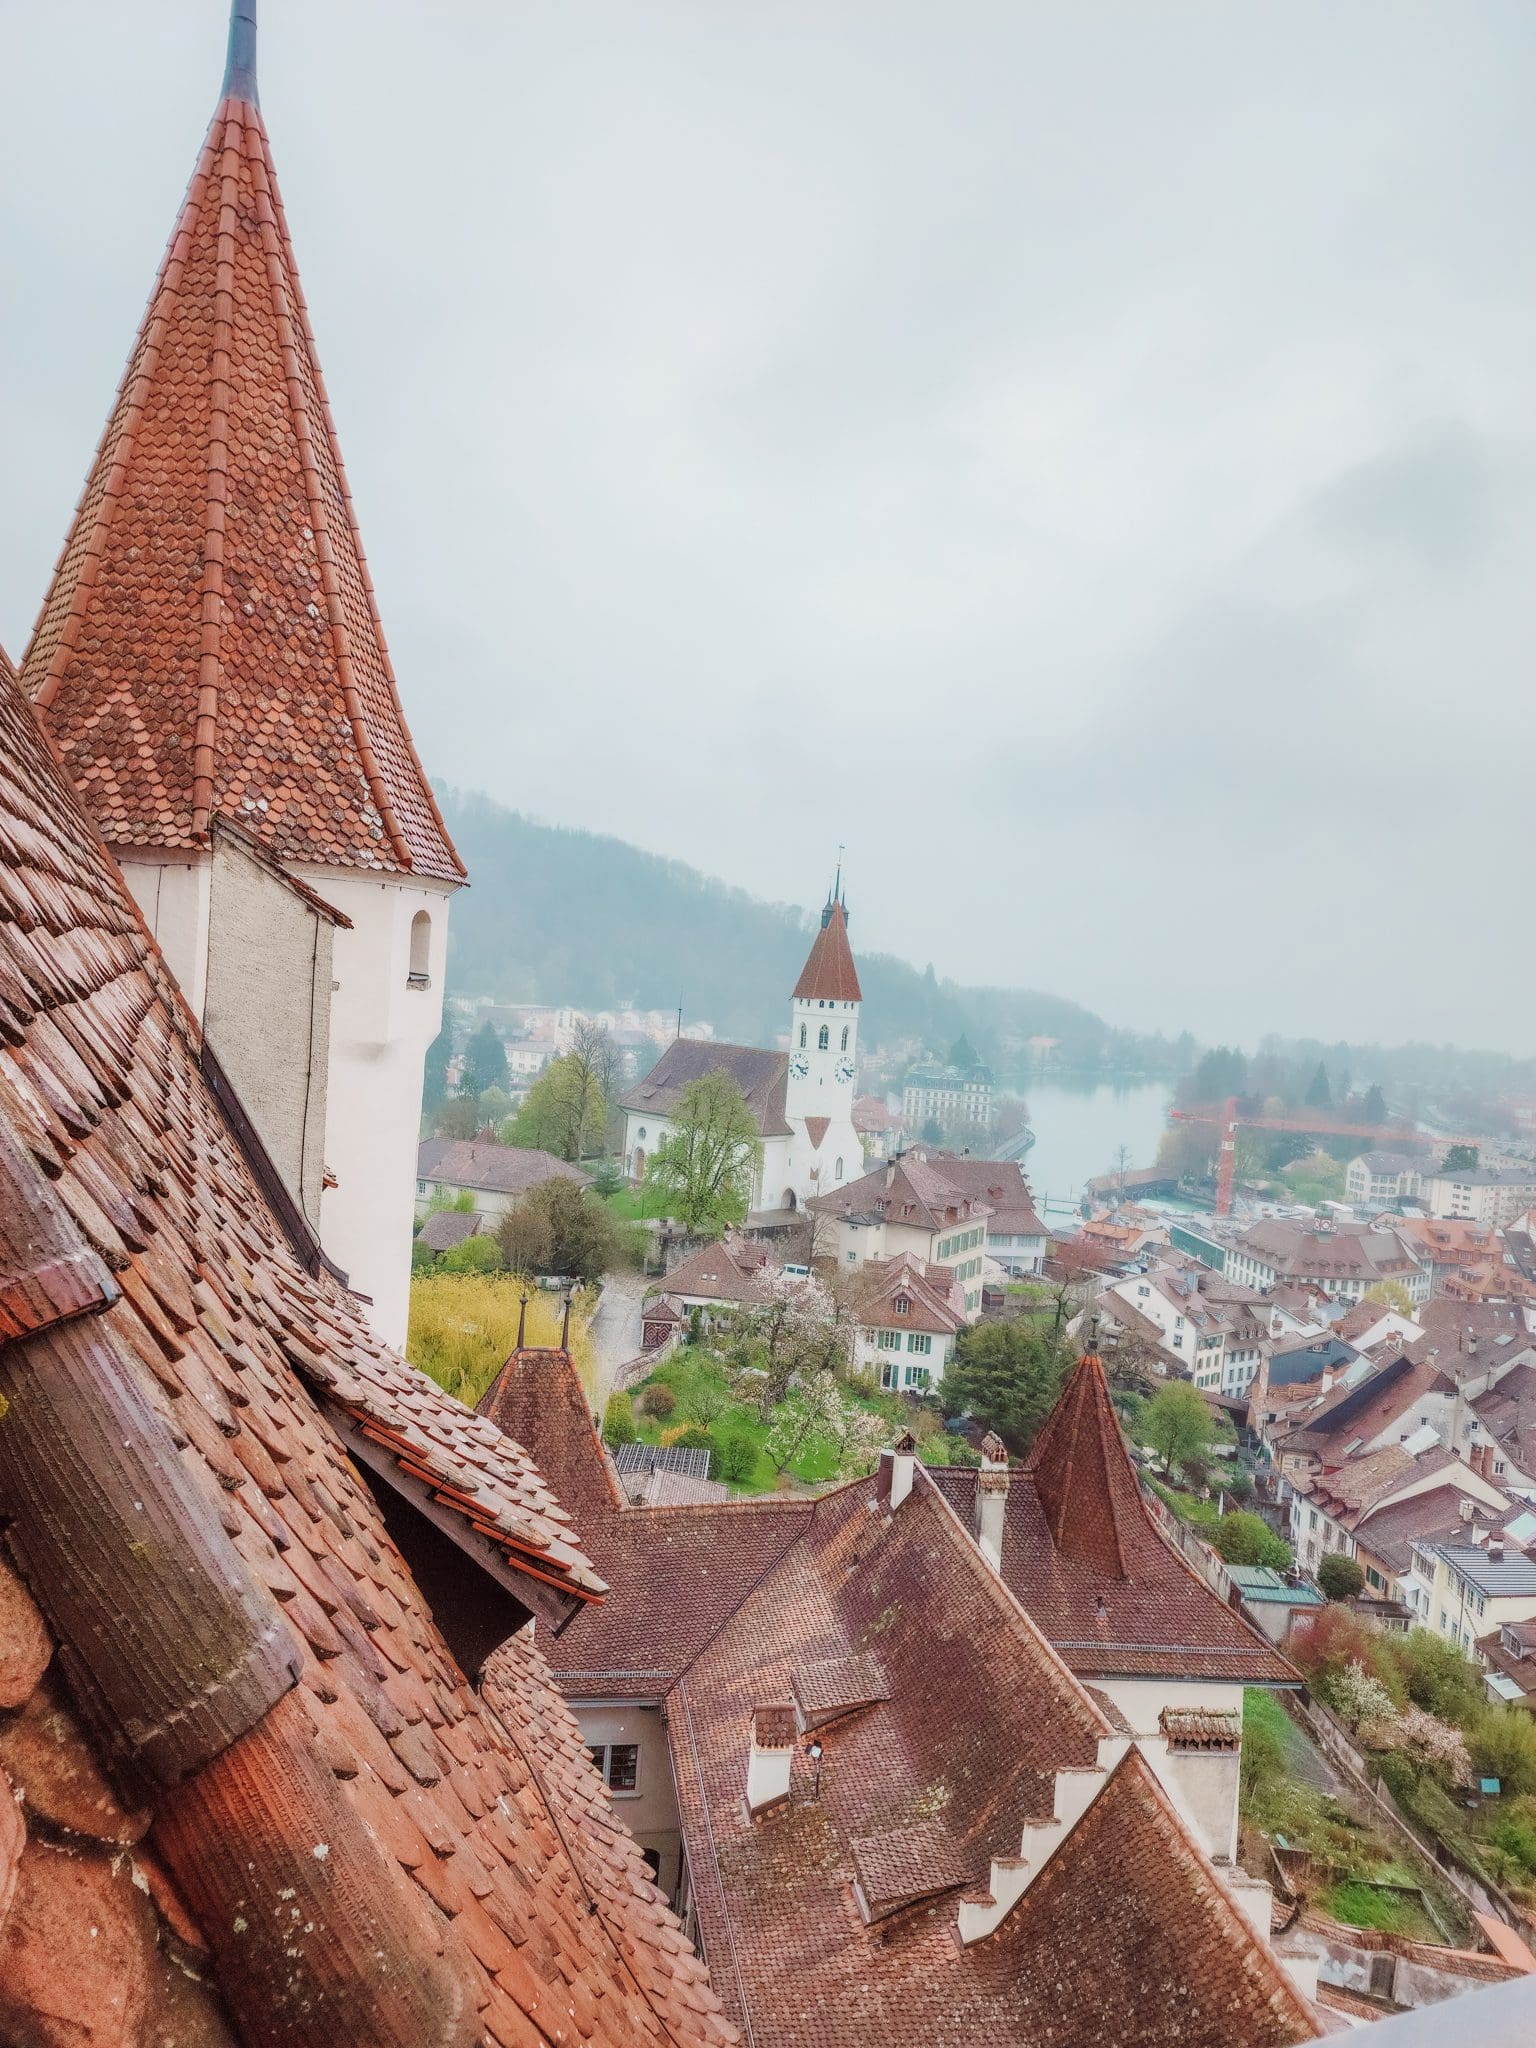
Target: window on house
{"points": [[903, 1304], [918, 1341], [889, 1376], [617, 1764], [888, 1340], [421, 951], [421, 1187], [918, 1378]]}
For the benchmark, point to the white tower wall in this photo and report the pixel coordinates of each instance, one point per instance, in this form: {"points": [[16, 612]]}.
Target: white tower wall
{"points": [[382, 1021]]}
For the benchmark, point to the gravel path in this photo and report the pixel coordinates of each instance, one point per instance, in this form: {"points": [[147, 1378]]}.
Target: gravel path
{"points": [[616, 1329]]}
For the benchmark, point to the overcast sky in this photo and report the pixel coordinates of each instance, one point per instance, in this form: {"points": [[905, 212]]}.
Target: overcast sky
{"points": [[1082, 456]]}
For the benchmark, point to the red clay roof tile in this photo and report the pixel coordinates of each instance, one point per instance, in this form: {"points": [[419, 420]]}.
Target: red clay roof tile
{"points": [[829, 974]]}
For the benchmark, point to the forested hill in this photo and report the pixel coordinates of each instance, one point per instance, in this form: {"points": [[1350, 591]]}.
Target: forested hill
{"points": [[554, 915]]}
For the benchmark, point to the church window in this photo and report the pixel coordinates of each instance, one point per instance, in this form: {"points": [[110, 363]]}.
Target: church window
{"points": [[421, 951], [824, 1038], [640, 1134], [845, 1038], [802, 1038]]}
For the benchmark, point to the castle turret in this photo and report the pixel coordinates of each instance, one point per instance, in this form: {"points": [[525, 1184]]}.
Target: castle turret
{"points": [[210, 664]]}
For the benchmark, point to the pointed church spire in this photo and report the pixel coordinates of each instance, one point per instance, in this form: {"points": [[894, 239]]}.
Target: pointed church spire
{"points": [[1084, 1480], [211, 642], [829, 974], [240, 68]]}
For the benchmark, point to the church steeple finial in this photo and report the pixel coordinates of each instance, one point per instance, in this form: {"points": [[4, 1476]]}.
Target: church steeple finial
{"points": [[240, 67], [836, 894]]}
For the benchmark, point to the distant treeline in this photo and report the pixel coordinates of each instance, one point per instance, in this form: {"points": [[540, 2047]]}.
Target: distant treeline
{"points": [[556, 915]]}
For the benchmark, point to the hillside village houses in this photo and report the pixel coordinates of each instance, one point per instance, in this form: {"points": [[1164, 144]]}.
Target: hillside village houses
{"points": [[1341, 1258], [801, 1100], [1377, 1180], [494, 1177]]}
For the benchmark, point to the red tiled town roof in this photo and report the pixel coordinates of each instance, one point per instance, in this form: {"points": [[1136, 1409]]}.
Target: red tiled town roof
{"points": [[210, 642], [829, 974], [683, 1570], [761, 1076], [218, 1601], [883, 1283], [1128, 1935], [1110, 1593]]}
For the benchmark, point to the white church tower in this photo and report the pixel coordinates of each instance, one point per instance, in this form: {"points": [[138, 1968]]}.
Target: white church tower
{"points": [[210, 665], [824, 1148]]}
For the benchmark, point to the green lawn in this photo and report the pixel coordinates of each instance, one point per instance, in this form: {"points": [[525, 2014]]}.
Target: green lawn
{"points": [[634, 1205], [697, 1378]]}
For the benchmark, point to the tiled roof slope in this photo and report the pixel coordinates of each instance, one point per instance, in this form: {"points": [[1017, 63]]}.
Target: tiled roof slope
{"points": [[443, 1863], [1127, 1937], [210, 642], [829, 974], [1087, 1562], [761, 1076], [683, 1570]]}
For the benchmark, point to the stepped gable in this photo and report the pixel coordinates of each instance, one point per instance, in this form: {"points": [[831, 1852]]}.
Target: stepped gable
{"points": [[680, 1571], [1127, 1936], [210, 642], [829, 974], [1111, 1593], [216, 1669], [1087, 1490]]}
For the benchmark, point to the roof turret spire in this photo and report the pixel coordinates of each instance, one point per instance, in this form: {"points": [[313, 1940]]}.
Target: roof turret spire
{"points": [[240, 68]]}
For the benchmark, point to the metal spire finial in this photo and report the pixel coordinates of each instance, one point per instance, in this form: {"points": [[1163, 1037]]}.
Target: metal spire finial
{"points": [[240, 68]]}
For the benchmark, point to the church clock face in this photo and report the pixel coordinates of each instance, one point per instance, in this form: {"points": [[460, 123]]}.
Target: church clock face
{"points": [[845, 1070], [799, 1066]]}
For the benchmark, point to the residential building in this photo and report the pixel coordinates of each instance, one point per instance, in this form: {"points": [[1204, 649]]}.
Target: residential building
{"points": [[1272, 1601], [1377, 1180], [1329, 1506], [1342, 1259], [1387, 1538], [495, 1177], [1508, 1657], [209, 663], [446, 1229], [1015, 1235], [911, 1204], [951, 1097], [801, 1100], [1477, 1589], [881, 1130], [1490, 1195], [846, 1697], [719, 1276], [909, 1316]]}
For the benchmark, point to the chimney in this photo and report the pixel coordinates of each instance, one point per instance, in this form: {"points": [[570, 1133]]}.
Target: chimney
{"points": [[770, 1757], [992, 1499], [1496, 1546], [1466, 1508], [893, 1481]]}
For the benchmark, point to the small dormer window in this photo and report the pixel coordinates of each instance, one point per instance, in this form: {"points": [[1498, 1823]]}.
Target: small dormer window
{"points": [[903, 1304], [419, 975]]}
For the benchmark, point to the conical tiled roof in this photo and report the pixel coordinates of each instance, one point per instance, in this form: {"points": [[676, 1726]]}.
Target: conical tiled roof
{"points": [[1087, 1489], [829, 974], [211, 641]]}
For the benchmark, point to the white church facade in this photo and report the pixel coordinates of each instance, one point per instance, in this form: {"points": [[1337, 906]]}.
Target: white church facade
{"points": [[801, 1100]]}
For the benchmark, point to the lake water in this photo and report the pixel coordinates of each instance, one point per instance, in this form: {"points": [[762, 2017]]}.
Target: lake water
{"points": [[1080, 1125]]}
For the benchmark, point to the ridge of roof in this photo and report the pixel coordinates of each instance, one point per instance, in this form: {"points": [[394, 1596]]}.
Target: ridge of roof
{"points": [[829, 974], [215, 548], [1082, 1473]]}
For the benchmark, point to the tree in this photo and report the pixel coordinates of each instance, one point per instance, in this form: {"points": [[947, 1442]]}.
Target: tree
{"points": [[1375, 1109], [1391, 1294], [1223, 1071], [561, 1227], [962, 1054], [565, 1111], [1179, 1426], [619, 1420], [434, 1074], [458, 1117], [473, 1255], [1503, 1744], [1319, 1095], [1339, 1577], [799, 1328], [1247, 1539], [1008, 1376], [485, 1061], [1460, 1159], [1439, 1677], [704, 1168]]}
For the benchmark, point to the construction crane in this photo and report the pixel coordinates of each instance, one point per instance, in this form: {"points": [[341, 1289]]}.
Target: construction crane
{"points": [[1231, 1123]]}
